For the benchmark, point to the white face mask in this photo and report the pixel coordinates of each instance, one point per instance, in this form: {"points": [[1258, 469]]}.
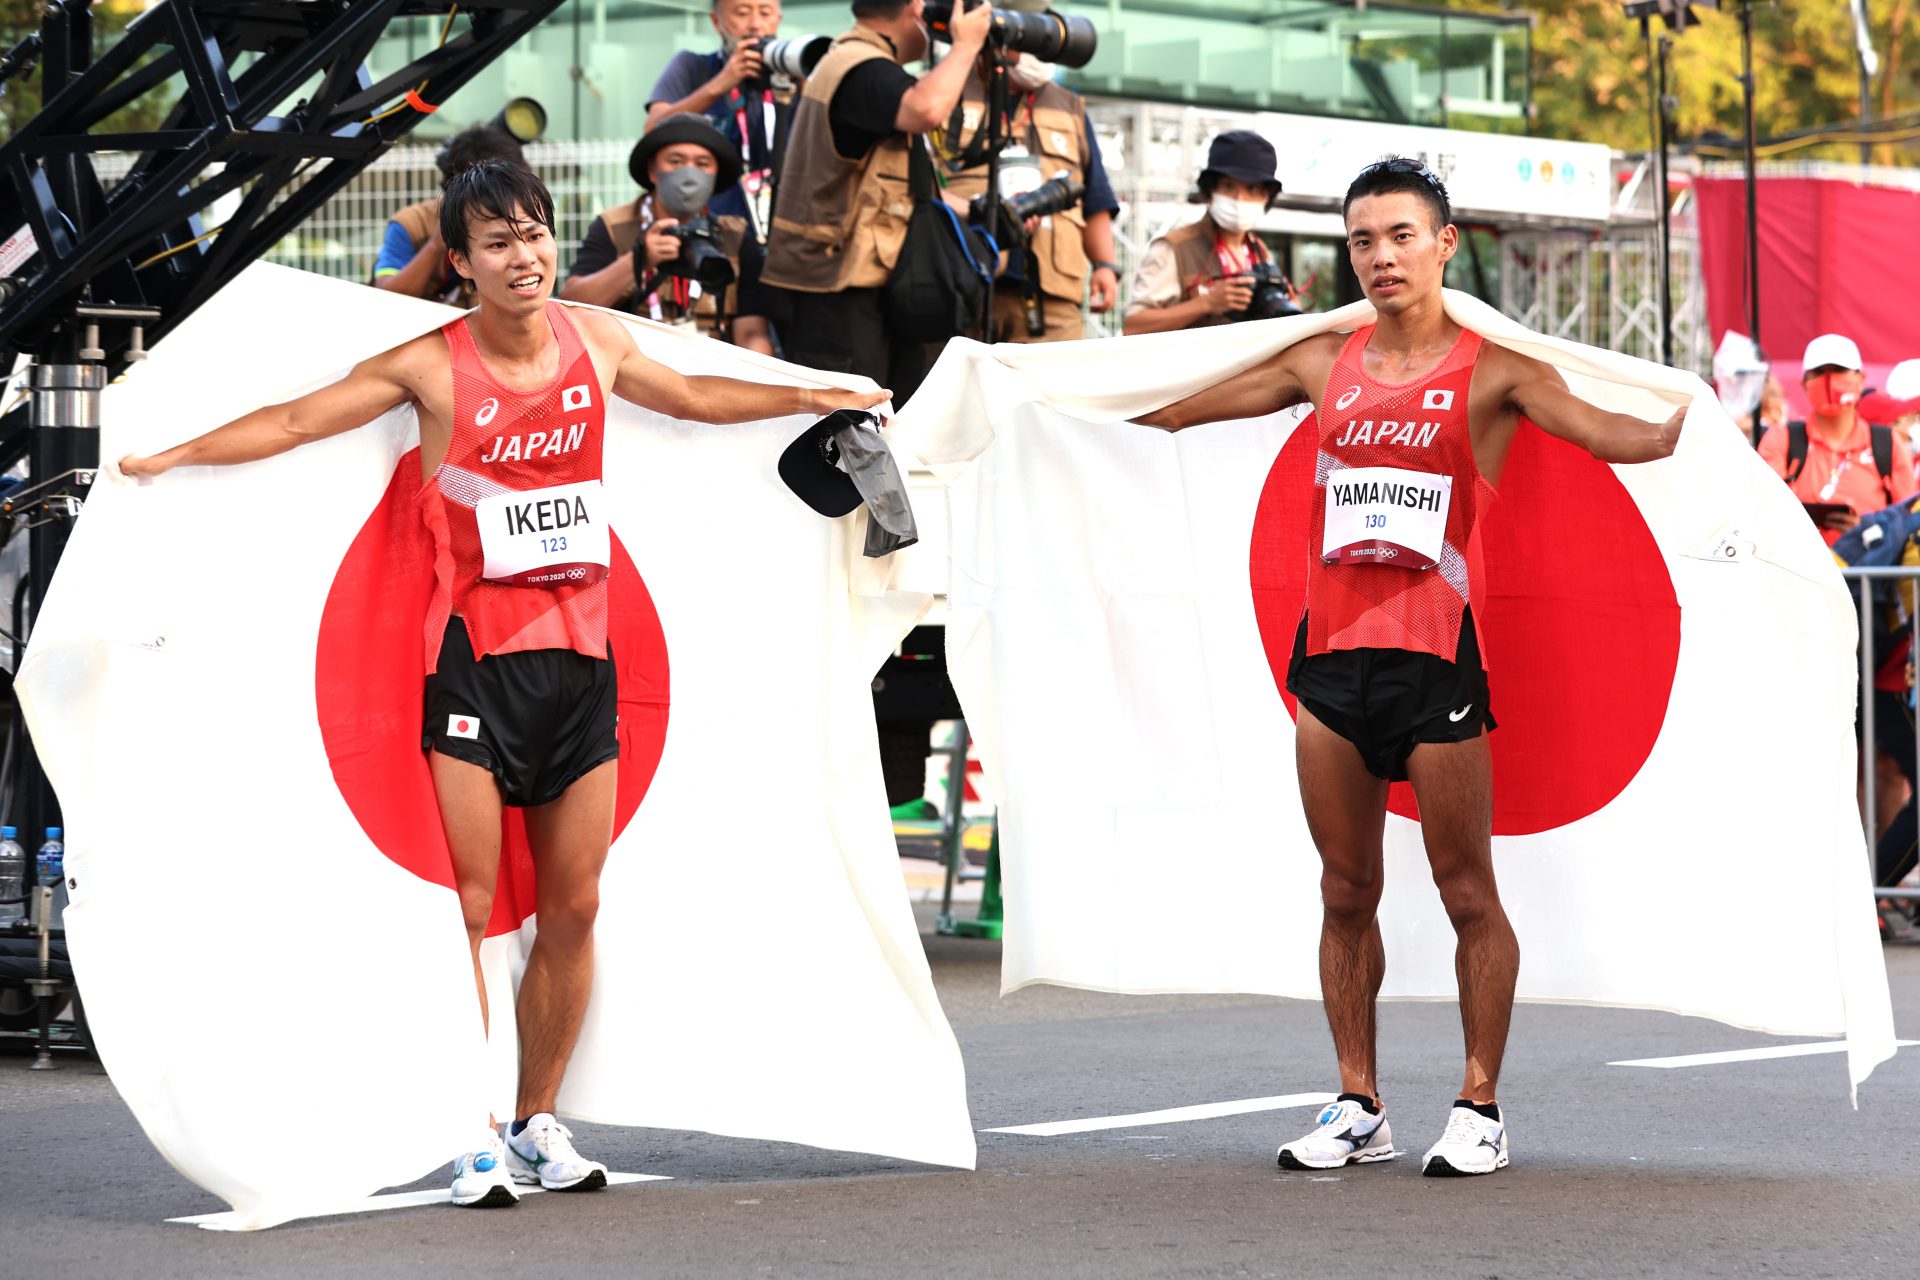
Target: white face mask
{"points": [[1029, 73], [1236, 215]]}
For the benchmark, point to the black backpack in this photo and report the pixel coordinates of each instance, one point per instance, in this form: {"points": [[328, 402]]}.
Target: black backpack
{"points": [[1881, 437], [941, 278]]}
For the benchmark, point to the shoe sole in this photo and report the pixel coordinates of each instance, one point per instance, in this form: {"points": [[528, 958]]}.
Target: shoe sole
{"points": [[594, 1181], [1288, 1160], [1437, 1167], [496, 1197]]}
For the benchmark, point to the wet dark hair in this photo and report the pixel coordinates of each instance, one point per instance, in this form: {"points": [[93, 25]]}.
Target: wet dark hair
{"points": [[470, 146], [493, 189], [1399, 173]]}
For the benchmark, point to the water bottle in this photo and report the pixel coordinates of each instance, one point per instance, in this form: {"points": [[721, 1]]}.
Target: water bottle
{"points": [[13, 877], [51, 864]]}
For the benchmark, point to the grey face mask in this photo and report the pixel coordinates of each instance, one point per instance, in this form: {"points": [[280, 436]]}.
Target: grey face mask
{"points": [[684, 192]]}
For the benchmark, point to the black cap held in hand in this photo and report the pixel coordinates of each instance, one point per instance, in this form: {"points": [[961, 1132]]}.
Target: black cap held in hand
{"points": [[809, 465]]}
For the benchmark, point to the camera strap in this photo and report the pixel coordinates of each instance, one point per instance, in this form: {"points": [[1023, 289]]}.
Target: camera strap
{"points": [[758, 147]]}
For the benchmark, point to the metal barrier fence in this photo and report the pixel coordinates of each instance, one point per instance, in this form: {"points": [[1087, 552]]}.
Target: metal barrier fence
{"points": [[1869, 666]]}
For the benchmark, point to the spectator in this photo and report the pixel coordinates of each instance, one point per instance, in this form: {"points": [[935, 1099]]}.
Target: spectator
{"points": [[1773, 404], [1838, 465], [413, 257], [1068, 251], [730, 87], [608, 273], [1897, 405], [1200, 273], [841, 213]]}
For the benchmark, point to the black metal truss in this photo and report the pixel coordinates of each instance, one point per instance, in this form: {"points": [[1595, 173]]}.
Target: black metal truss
{"points": [[241, 62]]}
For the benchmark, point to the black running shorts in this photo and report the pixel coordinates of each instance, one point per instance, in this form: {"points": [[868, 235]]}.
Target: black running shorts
{"points": [[538, 720], [1387, 701]]}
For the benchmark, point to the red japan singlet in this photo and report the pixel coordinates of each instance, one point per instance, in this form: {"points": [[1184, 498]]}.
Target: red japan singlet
{"points": [[1397, 503], [520, 540]]}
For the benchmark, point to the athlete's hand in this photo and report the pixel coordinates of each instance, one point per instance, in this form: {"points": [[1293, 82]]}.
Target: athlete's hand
{"points": [[1232, 294], [139, 468], [1670, 433], [825, 400], [662, 244]]}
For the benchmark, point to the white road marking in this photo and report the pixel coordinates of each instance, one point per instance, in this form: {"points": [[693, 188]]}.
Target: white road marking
{"points": [[1748, 1055], [1173, 1115], [394, 1200]]}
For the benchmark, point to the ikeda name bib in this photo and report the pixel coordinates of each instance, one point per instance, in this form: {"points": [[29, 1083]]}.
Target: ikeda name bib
{"points": [[544, 537], [1385, 515]]}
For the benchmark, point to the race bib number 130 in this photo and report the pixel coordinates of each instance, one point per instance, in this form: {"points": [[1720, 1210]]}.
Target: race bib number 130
{"points": [[544, 537], [1386, 516]]}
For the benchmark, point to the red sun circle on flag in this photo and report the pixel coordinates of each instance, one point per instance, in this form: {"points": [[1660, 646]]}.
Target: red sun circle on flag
{"points": [[370, 679], [1582, 627]]}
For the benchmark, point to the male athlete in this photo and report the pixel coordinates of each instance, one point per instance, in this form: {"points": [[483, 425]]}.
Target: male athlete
{"points": [[1416, 416], [520, 699]]}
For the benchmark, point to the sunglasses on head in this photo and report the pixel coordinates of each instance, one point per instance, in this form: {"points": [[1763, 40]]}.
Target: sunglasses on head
{"points": [[1404, 164]]}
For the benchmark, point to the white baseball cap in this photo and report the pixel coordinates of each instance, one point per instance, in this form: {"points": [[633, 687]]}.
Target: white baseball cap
{"points": [[1903, 383], [1831, 348]]}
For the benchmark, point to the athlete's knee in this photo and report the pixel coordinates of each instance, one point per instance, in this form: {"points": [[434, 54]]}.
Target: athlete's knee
{"points": [[1468, 894], [572, 910], [476, 908], [1351, 894]]}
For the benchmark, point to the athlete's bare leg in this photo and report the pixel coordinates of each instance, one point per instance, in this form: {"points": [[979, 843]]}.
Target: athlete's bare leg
{"points": [[569, 838], [470, 807], [1453, 781], [1346, 810]]}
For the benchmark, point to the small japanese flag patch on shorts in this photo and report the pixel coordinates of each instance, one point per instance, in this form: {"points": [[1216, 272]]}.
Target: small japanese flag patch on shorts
{"points": [[463, 727]]}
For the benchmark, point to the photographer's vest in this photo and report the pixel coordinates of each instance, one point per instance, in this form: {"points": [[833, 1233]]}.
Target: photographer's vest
{"points": [[419, 221], [838, 223], [1196, 254], [626, 224], [1053, 129]]}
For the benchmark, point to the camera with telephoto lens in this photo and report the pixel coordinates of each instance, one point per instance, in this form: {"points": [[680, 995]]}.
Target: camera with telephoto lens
{"points": [[1049, 36], [786, 58], [1271, 299], [1055, 195], [701, 259]]}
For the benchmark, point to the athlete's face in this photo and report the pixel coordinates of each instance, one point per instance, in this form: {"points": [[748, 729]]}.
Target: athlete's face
{"points": [[510, 261], [1399, 255]]}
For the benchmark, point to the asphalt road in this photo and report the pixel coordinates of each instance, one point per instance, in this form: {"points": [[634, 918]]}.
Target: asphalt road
{"points": [[1742, 1169]]}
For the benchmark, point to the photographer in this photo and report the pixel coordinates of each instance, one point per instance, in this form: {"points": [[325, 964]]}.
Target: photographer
{"points": [[844, 203], [413, 257], [682, 160], [731, 87], [1203, 273], [1047, 136]]}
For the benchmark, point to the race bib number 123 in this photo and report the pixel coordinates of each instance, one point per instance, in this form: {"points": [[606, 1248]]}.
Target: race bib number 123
{"points": [[544, 537]]}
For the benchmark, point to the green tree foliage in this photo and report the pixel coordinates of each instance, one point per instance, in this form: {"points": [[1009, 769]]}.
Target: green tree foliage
{"points": [[1590, 71]]}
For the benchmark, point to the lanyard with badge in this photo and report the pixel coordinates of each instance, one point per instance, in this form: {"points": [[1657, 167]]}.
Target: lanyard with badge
{"points": [[757, 183]]}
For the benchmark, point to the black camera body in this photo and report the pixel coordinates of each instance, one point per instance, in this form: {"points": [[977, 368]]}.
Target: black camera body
{"points": [[701, 259], [1271, 298], [1050, 37]]}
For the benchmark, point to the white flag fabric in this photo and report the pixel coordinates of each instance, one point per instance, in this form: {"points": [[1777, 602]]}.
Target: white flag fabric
{"points": [[1671, 659], [225, 688]]}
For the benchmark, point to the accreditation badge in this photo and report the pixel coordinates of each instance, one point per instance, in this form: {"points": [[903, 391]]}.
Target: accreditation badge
{"points": [[1386, 516], [554, 537]]}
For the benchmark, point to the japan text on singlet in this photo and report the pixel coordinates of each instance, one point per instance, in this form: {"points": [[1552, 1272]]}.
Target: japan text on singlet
{"points": [[1396, 509], [515, 508]]}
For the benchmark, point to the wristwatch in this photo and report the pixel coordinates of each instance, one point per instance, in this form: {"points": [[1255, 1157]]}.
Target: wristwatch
{"points": [[1111, 266]]}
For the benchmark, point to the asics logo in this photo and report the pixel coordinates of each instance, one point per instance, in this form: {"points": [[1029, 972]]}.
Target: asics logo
{"points": [[1347, 397], [1461, 714], [488, 408]]}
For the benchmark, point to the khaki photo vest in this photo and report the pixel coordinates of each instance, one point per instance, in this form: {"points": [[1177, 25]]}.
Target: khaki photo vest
{"points": [[1057, 138], [838, 223], [627, 223], [1194, 255]]}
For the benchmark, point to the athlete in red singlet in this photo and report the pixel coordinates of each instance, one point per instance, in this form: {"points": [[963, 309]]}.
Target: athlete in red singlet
{"points": [[1416, 416], [520, 700]]}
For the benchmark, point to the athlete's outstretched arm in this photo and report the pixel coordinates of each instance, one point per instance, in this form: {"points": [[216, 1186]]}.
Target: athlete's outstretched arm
{"points": [[652, 385], [1268, 387], [1541, 396], [373, 387]]}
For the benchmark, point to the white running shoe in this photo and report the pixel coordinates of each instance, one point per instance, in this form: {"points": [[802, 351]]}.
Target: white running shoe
{"points": [[480, 1177], [543, 1153], [1471, 1145], [1348, 1134]]}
